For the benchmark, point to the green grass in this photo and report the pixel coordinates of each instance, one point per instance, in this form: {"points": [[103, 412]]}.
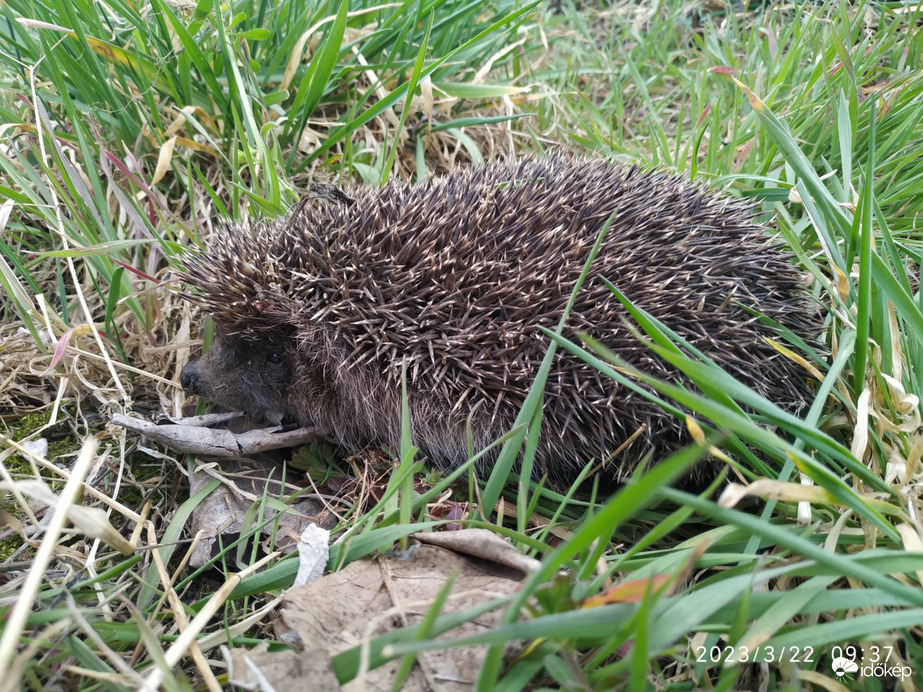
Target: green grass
{"points": [[131, 130]]}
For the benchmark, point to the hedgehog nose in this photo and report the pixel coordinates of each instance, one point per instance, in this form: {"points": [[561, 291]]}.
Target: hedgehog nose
{"points": [[189, 378]]}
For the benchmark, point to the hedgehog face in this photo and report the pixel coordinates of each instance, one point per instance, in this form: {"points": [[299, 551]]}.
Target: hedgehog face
{"points": [[253, 377]]}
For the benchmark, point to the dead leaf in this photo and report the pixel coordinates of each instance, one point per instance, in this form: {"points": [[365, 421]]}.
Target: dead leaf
{"points": [[371, 597], [190, 439], [281, 671], [224, 511], [484, 544]]}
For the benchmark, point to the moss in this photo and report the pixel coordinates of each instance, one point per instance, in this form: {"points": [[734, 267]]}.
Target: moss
{"points": [[21, 428], [18, 466], [9, 545]]}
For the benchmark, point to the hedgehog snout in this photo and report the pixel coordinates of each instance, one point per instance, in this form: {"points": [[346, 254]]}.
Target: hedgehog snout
{"points": [[189, 378]]}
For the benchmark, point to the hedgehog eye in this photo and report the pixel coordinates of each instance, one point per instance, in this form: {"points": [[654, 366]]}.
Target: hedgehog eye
{"points": [[274, 357]]}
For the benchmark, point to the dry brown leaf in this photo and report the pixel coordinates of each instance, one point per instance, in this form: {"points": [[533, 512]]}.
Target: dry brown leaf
{"points": [[371, 597], [191, 439], [224, 511], [282, 671], [484, 544]]}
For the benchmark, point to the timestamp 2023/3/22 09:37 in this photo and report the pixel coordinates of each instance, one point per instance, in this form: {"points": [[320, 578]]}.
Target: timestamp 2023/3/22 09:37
{"points": [[871, 660]]}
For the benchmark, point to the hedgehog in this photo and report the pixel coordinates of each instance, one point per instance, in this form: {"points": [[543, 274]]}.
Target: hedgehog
{"points": [[448, 281]]}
